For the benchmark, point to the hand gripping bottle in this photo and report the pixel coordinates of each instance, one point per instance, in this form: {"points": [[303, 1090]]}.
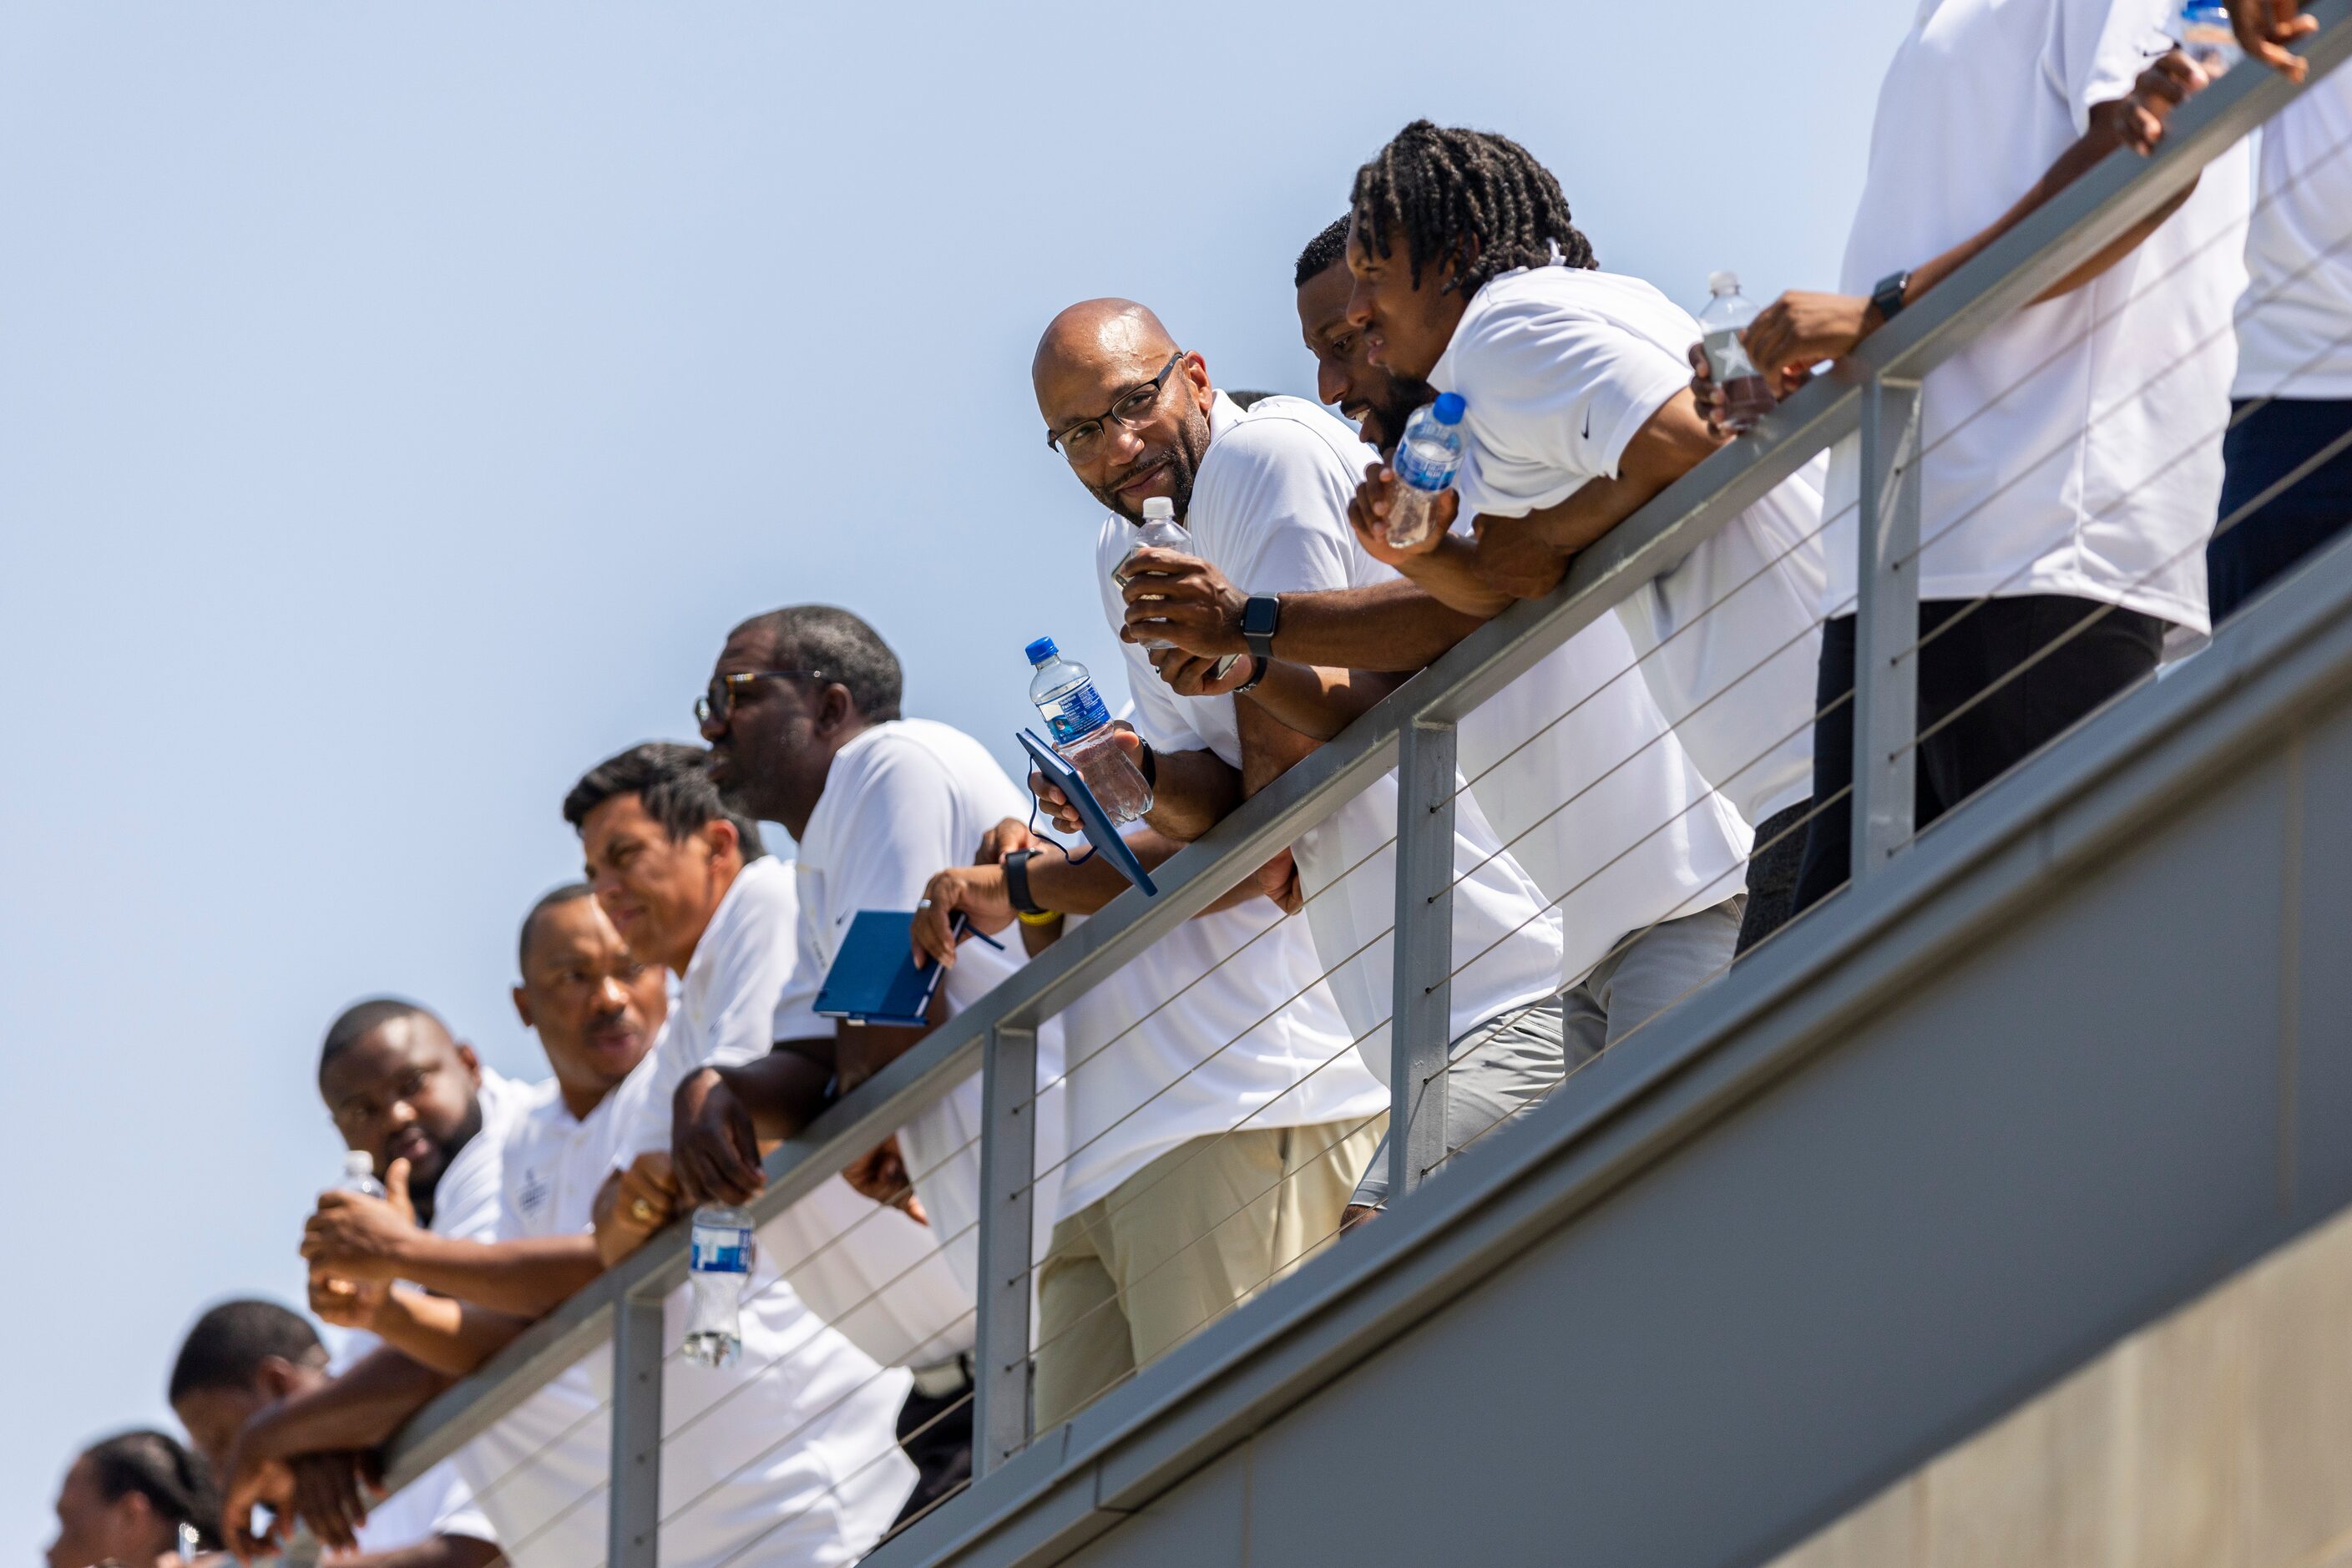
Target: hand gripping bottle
{"points": [[1746, 396], [359, 1174], [1080, 728], [2207, 37], [718, 1266], [1426, 460], [1159, 530]]}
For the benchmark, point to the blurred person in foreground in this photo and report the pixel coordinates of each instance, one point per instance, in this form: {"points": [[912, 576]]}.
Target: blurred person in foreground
{"points": [[2288, 491], [688, 882], [125, 1499], [2070, 455]]}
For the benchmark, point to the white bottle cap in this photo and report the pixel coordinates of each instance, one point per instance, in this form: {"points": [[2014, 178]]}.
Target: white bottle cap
{"points": [[1159, 509], [1723, 283], [358, 1162]]}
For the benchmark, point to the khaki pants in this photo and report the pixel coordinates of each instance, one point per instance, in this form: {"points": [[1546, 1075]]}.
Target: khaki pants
{"points": [[1192, 1235]]}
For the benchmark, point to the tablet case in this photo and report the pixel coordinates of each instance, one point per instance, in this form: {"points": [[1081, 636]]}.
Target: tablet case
{"points": [[874, 979], [1100, 831]]}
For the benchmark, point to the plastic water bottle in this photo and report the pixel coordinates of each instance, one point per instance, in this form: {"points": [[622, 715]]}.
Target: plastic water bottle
{"points": [[720, 1269], [359, 1174], [1426, 460], [2207, 37], [1080, 728], [1159, 530], [1747, 396]]}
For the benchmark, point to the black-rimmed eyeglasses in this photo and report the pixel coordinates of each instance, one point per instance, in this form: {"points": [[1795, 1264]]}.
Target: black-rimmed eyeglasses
{"points": [[1082, 442], [719, 701]]}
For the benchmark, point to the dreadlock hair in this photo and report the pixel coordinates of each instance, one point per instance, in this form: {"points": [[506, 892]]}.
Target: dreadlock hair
{"points": [[1325, 248], [174, 1482], [1470, 200]]}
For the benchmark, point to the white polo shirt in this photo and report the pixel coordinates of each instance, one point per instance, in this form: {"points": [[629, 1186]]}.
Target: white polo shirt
{"points": [[1561, 367], [904, 800], [2294, 321], [874, 1274], [465, 1209], [2077, 447], [1269, 510], [794, 1447]]}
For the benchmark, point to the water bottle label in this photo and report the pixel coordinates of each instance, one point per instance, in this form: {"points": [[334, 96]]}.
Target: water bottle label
{"points": [[1429, 469], [727, 1251], [1726, 356], [1074, 713]]}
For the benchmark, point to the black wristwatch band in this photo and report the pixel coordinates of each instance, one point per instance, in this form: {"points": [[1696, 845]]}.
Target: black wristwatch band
{"points": [[1016, 882], [1888, 298], [1261, 616], [1147, 762], [1258, 662]]}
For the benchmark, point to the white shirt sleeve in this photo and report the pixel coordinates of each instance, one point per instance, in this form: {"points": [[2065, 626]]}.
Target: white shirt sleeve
{"points": [[468, 1198], [2098, 47], [647, 1128], [753, 968], [796, 1017], [1555, 396], [900, 830], [1278, 498]]}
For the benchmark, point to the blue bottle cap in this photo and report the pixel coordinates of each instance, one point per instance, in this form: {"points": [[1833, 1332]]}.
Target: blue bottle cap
{"points": [[1041, 650], [1450, 408]]}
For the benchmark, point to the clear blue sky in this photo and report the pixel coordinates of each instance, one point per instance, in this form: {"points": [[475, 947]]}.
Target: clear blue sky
{"points": [[397, 404]]}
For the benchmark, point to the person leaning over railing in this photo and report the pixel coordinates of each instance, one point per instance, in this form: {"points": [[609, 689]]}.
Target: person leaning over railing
{"points": [[1263, 494], [1468, 276], [2072, 455], [726, 921], [812, 737], [124, 1499], [2289, 449]]}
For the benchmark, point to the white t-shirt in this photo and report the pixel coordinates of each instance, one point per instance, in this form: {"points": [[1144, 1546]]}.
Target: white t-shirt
{"points": [[905, 800], [797, 1438], [1269, 510], [1561, 367], [464, 1208], [2077, 447], [2295, 323], [874, 1274]]}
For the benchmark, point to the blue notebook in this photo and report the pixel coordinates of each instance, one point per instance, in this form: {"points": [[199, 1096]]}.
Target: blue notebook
{"points": [[874, 978], [1101, 831]]}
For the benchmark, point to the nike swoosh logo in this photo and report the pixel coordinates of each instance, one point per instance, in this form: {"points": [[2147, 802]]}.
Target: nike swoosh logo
{"points": [[1588, 425]]}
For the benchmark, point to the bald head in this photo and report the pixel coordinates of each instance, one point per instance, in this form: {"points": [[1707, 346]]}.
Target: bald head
{"points": [[1101, 354]]}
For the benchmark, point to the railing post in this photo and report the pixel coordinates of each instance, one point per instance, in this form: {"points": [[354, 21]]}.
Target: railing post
{"points": [[1886, 627], [1008, 1185], [633, 1519], [1423, 971]]}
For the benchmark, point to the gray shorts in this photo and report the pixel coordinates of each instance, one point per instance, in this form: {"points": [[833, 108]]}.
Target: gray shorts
{"points": [[1501, 1070]]}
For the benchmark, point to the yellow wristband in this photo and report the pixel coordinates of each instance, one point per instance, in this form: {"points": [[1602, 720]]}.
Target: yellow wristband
{"points": [[1047, 918]]}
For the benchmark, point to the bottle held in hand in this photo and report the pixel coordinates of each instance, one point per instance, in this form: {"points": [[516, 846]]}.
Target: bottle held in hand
{"points": [[720, 1269], [359, 1174], [1080, 728], [1746, 396], [2207, 37], [1427, 458], [1158, 531]]}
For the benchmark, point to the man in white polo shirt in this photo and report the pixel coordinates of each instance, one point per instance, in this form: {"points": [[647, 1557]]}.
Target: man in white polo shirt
{"points": [[1469, 276], [2070, 455], [1263, 494], [1201, 1074], [725, 922], [810, 735], [2289, 450]]}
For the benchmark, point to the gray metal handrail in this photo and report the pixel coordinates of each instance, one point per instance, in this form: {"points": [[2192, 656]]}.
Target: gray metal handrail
{"points": [[1875, 391]]}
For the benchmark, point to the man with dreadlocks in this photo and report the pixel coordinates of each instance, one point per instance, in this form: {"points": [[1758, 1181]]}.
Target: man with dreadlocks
{"points": [[1471, 278]]}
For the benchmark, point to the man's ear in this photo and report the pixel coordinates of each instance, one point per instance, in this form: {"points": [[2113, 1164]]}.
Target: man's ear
{"points": [[835, 710], [473, 1063], [522, 1007], [275, 1377], [720, 835], [1196, 371]]}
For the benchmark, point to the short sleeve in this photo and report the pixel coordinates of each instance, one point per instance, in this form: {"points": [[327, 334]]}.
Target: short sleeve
{"points": [[1159, 713], [1556, 394], [467, 1200], [2098, 47], [1273, 500], [900, 832], [796, 1017], [645, 1125], [750, 976]]}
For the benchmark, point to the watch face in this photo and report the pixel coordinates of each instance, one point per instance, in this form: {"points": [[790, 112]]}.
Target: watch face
{"points": [[1257, 617]]}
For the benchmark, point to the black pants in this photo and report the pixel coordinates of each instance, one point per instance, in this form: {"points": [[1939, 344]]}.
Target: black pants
{"points": [[2114, 648], [2262, 451], [1772, 868], [936, 1434]]}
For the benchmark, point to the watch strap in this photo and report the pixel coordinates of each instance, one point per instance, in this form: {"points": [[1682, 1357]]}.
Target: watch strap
{"points": [[1258, 662], [1016, 882]]}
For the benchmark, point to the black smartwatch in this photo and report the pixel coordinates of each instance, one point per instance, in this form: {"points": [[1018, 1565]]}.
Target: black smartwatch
{"points": [[1016, 882], [1888, 298], [1261, 614]]}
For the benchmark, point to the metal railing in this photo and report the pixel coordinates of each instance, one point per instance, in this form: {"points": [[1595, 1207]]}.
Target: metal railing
{"points": [[1876, 391]]}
